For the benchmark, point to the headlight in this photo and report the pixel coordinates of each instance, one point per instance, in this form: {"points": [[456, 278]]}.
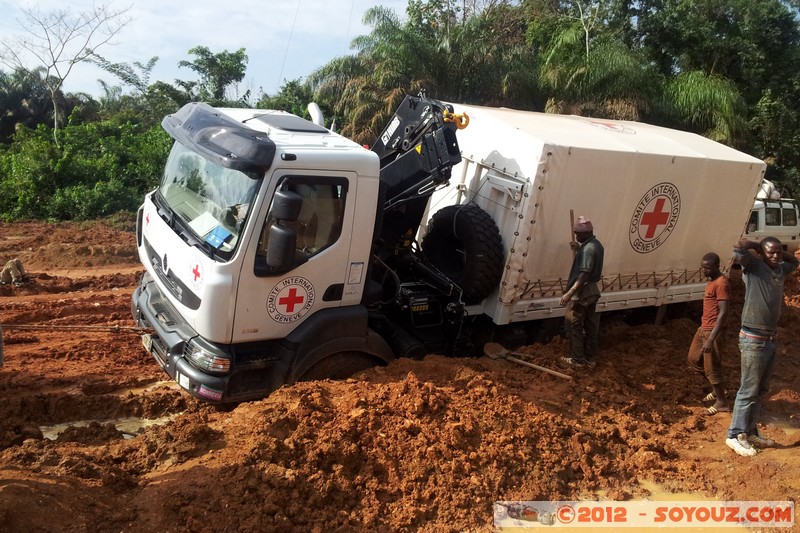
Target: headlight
{"points": [[204, 360]]}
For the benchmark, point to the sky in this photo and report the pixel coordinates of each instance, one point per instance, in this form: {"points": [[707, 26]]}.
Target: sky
{"points": [[283, 39]]}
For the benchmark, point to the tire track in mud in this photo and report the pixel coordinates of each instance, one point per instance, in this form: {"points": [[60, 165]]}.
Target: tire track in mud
{"points": [[64, 373]]}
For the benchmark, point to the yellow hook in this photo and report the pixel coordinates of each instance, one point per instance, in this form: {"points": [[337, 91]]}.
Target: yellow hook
{"points": [[461, 119]]}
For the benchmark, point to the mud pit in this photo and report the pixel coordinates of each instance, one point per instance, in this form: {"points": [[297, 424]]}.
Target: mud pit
{"points": [[419, 445]]}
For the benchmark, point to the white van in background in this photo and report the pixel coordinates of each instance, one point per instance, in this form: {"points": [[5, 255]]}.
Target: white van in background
{"points": [[773, 216]]}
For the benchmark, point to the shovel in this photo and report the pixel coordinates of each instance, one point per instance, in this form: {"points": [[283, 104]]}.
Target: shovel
{"points": [[496, 351]]}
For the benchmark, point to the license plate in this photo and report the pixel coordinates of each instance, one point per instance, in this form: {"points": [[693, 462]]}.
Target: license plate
{"points": [[147, 340], [182, 380]]}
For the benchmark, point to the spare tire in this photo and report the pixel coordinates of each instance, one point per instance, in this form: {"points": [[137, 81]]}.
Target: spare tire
{"points": [[464, 243]]}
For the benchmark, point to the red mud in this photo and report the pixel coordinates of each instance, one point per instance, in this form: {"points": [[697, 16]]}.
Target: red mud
{"points": [[416, 446]]}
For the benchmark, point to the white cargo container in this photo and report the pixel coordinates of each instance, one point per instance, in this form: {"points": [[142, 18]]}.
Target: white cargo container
{"points": [[659, 200]]}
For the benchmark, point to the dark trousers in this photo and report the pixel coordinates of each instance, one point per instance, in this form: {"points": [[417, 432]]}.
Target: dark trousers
{"points": [[582, 323]]}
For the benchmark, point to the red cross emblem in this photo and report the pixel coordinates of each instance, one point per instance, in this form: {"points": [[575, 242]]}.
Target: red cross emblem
{"points": [[655, 218], [196, 272], [291, 300], [147, 219]]}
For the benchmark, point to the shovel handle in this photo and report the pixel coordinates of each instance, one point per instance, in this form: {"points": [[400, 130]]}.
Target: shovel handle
{"points": [[537, 367], [571, 225]]}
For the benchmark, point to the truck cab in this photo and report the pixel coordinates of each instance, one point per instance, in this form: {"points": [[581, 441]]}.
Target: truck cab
{"points": [[775, 218], [264, 240], [255, 249]]}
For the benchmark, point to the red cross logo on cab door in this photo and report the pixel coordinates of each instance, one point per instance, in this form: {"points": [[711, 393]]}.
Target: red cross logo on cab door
{"points": [[290, 300]]}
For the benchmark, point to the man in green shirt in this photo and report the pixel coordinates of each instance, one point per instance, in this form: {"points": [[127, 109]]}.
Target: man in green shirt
{"points": [[581, 320]]}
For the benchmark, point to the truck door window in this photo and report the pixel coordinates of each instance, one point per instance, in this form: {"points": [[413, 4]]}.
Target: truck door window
{"points": [[752, 224], [319, 223], [772, 216], [789, 216]]}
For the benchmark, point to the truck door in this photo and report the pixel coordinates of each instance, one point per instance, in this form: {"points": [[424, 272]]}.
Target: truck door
{"points": [[271, 301]]}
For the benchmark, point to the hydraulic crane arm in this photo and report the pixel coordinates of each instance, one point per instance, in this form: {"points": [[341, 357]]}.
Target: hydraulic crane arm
{"points": [[418, 148]]}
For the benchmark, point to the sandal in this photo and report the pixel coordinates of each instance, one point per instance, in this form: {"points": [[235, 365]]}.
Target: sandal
{"points": [[711, 411], [710, 397]]}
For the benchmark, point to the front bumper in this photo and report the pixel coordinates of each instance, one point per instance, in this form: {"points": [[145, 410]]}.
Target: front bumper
{"points": [[257, 368], [168, 343]]}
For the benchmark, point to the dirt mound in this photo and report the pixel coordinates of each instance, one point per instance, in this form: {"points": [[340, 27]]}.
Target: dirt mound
{"points": [[92, 439]]}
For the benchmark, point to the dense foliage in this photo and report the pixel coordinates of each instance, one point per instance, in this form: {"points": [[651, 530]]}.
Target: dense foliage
{"points": [[727, 69]]}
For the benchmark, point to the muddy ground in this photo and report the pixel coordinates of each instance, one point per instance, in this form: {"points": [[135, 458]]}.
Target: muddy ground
{"points": [[416, 446]]}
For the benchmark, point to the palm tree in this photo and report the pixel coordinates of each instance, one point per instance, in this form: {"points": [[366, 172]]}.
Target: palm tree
{"points": [[25, 100], [366, 88], [481, 60], [708, 104], [587, 70], [596, 75]]}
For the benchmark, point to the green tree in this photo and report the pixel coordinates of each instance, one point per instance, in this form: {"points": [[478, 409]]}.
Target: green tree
{"points": [[753, 44], [99, 168], [149, 102], [217, 71], [776, 128], [708, 104], [598, 76], [592, 62], [585, 66], [293, 97]]}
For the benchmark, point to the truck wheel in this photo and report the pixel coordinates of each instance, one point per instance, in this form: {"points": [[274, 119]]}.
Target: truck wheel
{"points": [[464, 243], [340, 365]]}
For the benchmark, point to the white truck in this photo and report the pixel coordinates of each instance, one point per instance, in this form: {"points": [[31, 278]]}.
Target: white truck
{"points": [[774, 216], [276, 250]]}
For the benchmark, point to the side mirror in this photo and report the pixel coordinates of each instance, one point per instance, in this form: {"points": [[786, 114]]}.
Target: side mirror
{"points": [[286, 206], [281, 247], [282, 241]]}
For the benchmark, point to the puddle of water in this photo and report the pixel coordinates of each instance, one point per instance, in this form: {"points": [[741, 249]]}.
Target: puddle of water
{"points": [[788, 426], [171, 384], [659, 493], [129, 426]]}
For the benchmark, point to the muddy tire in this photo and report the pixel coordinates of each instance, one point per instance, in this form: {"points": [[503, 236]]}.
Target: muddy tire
{"points": [[340, 365], [464, 243]]}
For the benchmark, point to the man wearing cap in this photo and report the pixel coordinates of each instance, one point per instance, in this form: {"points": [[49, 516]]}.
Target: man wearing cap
{"points": [[581, 320], [763, 276]]}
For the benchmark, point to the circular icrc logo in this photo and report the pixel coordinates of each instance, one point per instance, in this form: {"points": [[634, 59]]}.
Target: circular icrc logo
{"points": [[655, 217], [290, 299]]}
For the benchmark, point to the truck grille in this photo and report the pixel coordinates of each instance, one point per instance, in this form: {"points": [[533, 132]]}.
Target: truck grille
{"points": [[159, 351], [163, 315]]}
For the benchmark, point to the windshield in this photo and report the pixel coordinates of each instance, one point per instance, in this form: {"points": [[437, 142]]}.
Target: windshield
{"points": [[212, 200]]}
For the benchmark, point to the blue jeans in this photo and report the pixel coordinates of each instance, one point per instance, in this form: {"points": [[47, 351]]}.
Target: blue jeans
{"points": [[758, 361]]}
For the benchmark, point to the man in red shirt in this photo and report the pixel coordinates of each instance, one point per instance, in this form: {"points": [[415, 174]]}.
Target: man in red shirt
{"points": [[704, 354]]}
